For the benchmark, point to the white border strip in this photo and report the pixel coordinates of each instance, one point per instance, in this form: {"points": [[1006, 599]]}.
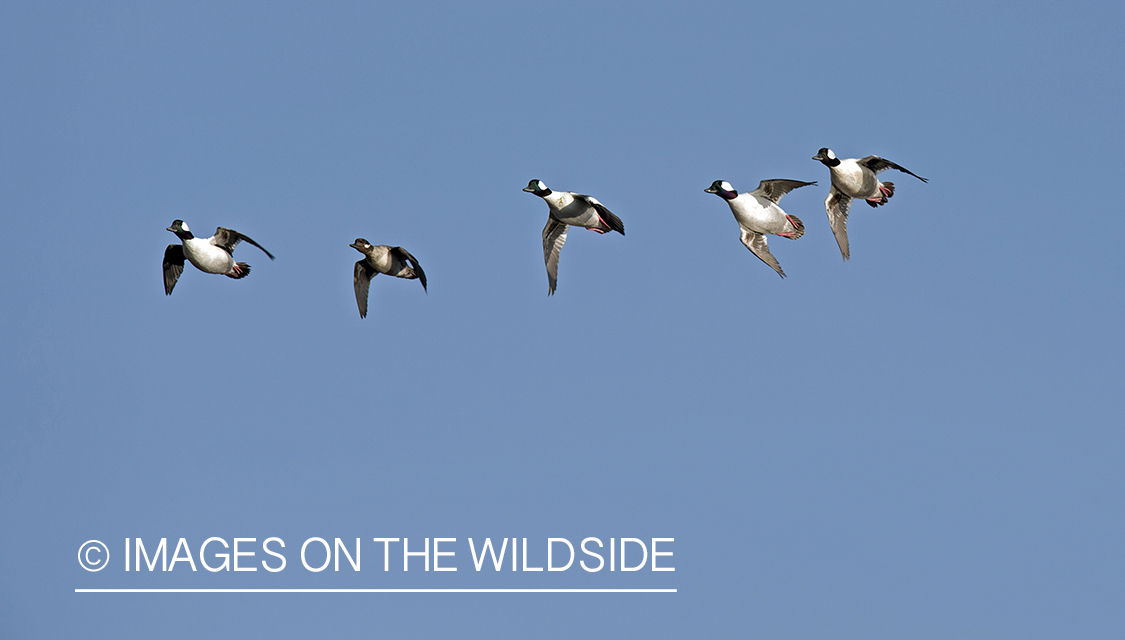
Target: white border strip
{"points": [[375, 590]]}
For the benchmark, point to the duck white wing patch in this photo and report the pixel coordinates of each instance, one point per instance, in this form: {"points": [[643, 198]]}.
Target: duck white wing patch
{"points": [[554, 236], [756, 243], [837, 205]]}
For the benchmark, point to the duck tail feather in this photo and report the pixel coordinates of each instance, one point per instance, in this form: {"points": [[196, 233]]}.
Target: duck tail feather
{"points": [[798, 226], [241, 270]]}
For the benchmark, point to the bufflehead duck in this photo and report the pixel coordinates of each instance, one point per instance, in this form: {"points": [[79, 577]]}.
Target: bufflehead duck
{"points": [[757, 214], [382, 259], [852, 178], [209, 255], [568, 209]]}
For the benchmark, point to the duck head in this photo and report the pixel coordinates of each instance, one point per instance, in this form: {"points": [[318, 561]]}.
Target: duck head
{"points": [[826, 156], [360, 245], [723, 189], [180, 228], [538, 188]]}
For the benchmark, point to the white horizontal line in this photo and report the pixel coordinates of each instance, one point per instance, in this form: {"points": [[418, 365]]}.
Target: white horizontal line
{"points": [[375, 591]]}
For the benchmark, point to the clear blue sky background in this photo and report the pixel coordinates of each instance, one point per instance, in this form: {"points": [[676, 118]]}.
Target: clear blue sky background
{"points": [[924, 442]]}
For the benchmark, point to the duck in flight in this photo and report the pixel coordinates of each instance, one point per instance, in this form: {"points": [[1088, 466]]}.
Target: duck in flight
{"points": [[855, 178], [377, 259], [566, 209], [758, 213], [209, 255]]}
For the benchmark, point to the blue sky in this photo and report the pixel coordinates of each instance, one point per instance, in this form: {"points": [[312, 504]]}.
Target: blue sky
{"points": [[924, 441]]}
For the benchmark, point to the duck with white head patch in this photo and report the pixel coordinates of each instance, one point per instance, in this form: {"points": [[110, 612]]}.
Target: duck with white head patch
{"points": [[568, 209], [758, 213], [209, 255], [382, 259], [855, 178]]}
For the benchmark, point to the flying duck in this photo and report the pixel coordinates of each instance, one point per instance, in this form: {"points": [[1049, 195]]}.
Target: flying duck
{"points": [[852, 178], [382, 259], [569, 209], [209, 255], [757, 214]]}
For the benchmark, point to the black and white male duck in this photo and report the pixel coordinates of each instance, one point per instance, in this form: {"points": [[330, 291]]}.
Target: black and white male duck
{"points": [[758, 213], [568, 209], [855, 178], [209, 255]]}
